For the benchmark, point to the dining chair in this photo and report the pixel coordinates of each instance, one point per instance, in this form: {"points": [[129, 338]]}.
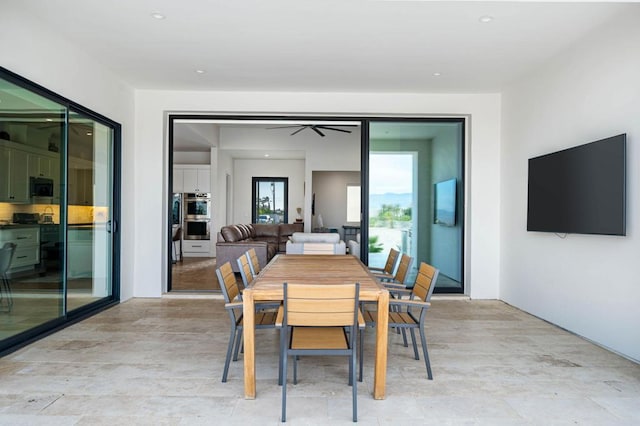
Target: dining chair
{"points": [[233, 305], [319, 320], [245, 270], [389, 266], [252, 256], [6, 256], [410, 313], [402, 273]]}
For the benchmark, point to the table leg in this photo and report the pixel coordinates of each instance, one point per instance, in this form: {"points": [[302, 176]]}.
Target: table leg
{"points": [[248, 308], [382, 329]]}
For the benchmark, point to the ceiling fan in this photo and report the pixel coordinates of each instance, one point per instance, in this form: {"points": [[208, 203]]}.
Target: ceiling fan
{"points": [[318, 128]]}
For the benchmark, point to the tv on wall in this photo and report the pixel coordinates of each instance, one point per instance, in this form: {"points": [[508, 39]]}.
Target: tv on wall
{"points": [[579, 190], [445, 203]]}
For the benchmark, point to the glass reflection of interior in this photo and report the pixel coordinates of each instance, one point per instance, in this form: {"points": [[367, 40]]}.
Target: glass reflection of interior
{"points": [[31, 141], [33, 212]]}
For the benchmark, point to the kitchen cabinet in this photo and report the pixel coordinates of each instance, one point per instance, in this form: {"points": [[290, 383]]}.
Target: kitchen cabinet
{"points": [[196, 248], [27, 241], [188, 178], [14, 176], [178, 180], [80, 182]]}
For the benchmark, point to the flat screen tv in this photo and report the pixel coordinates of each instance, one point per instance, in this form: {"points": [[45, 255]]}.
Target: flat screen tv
{"points": [[579, 190], [445, 203]]}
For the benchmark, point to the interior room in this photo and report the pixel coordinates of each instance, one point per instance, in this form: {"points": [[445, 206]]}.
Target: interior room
{"points": [[538, 326]]}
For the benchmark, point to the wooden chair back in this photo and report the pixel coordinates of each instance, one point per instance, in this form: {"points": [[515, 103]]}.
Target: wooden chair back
{"points": [[425, 282], [321, 305], [391, 261], [403, 268], [245, 270], [252, 256], [228, 283]]}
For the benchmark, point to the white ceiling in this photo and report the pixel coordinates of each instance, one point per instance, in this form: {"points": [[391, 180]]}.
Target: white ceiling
{"points": [[320, 45]]}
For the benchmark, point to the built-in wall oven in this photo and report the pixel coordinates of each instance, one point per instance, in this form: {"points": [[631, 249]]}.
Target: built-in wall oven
{"points": [[197, 216], [197, 206], [197, 229]]}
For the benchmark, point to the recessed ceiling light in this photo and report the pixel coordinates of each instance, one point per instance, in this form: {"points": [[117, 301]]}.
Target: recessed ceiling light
{"points": [[157, 15], [89, 133], [267, 155], [437, 74], [485, 19], [200, 71]]}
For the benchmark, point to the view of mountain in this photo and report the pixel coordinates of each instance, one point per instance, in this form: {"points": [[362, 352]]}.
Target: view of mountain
{"points": [[377, 200]]}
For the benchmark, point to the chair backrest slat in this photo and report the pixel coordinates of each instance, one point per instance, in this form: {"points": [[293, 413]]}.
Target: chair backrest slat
{"points": [[425, 282], [321, 305], [228, 283], [403, 268], [253, 261], [391, 261], [245, 270]]}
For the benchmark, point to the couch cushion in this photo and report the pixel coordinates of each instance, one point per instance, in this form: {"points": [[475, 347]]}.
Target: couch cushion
{"points": [[252, 230], [311, 237], [244, 231], [267, 231], [231, 233]]}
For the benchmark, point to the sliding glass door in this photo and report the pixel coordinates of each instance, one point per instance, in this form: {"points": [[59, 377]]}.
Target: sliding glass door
{"points": [[58, 198], [416, 195]]}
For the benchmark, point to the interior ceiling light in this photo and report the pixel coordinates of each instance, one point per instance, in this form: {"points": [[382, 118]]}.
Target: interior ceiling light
{"points": [[485, 19], [200, 71], [437, 74], [157, 15], [266, 155]]}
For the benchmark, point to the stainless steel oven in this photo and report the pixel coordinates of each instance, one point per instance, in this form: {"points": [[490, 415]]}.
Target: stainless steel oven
{"points": [[197, 229], [197, 206]]}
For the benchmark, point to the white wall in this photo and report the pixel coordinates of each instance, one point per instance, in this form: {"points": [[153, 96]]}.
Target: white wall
{"points": [[331, 197], [587, 284], [37, 53], [483, 155], [246, 169]]}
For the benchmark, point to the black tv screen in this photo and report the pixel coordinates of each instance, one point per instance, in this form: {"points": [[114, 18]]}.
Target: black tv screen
{"points": [[445, 203], [580, 190]]}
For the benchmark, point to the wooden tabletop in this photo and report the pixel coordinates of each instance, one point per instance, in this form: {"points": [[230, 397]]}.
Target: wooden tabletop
{"points": [[314, 269]]}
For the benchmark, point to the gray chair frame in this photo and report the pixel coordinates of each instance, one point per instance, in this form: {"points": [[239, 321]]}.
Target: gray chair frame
{"points": [[286, 337], [403, 315], [234, 306]]}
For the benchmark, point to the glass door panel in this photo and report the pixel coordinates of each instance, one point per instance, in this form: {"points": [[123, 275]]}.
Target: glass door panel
{"points": [[31, 237], [90, 211], [408, 161]]}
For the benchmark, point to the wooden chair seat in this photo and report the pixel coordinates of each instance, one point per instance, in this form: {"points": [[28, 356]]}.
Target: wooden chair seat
{"points": [[319, 338]]}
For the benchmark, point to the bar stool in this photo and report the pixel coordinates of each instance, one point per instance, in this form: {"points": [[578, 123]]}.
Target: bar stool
{"points": [[6, 255], [177, 238]]}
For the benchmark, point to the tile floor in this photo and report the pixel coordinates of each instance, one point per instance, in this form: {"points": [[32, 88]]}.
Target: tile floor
{"points": [[159, 362]]}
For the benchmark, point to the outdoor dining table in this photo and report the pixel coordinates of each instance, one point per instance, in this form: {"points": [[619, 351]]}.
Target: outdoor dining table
{"points": [[314, 269]]}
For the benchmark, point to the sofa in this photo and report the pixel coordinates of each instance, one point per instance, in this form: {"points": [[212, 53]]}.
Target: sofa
{"points": [[354, 246], [327, 243], [266, 238]]}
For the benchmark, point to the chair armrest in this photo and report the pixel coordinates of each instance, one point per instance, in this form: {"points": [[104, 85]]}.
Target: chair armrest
{"points": [[395, 286], [375, 269], [409, 303], [280, 317], [233, 305], [361, 322]]}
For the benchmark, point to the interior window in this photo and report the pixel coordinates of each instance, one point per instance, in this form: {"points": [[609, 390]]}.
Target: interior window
{"points": [[270, 200]]}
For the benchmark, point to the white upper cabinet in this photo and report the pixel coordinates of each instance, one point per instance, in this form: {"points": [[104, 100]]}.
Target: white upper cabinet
{"points": [[194, 179]]}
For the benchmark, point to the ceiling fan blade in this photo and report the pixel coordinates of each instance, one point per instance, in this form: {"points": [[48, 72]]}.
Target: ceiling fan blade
{"points": [[335, 129], [299, 130], [315, 129]]}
